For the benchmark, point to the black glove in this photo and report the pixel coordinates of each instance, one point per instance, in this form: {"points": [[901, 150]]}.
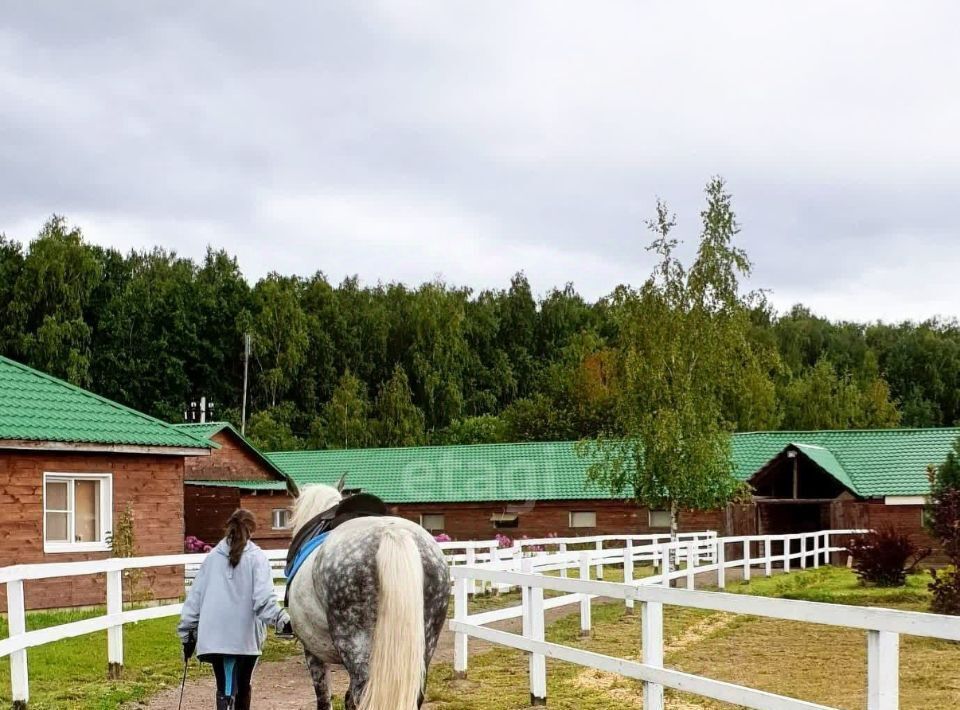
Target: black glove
{"points": [[189, 646], [283, 627]]}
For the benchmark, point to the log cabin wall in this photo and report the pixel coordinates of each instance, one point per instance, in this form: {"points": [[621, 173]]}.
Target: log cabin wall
{"points": [[151, 484]]}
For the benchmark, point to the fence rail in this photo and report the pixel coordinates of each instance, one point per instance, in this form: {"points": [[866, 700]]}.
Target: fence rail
{"points": [[476, 565], [883, 626]]}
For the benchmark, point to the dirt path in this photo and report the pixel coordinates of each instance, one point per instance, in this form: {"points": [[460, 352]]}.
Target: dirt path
{"points": [[285, 685]]}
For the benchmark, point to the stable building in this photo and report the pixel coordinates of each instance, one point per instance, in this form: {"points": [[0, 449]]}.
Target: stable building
{"points": [[802, 481], [72, 464], [235, 475]]}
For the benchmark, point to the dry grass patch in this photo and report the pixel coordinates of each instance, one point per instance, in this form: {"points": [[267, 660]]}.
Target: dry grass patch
{"points": [[817, 663]]}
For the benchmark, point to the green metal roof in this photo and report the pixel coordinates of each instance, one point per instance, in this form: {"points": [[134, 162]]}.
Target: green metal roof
{"points": [[878, 462], [244, 485], [37, 407], [206, 430], [825, 459], [872, 463], [480, 472]]}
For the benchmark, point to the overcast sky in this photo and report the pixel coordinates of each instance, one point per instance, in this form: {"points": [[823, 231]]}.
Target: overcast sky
{"points": [[469, 140]]}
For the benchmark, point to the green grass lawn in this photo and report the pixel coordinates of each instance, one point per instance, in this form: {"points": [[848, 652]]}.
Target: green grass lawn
{"points": [[818, 663], [814, 662], [72, 673]]}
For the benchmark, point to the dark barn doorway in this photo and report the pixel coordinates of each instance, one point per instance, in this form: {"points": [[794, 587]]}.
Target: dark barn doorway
{"points": [[795, 490]]}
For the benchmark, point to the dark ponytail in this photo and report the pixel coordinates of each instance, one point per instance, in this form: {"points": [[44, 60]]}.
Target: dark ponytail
{"points": [[239, 529]]}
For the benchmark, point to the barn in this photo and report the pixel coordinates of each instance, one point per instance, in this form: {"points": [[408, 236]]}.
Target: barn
{"points": [[235, 475], [802, 481], [72, 465]]}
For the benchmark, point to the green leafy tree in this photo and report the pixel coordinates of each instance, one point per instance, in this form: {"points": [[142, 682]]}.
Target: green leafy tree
{"points": [[820, 398], [399, 422], [482, 429], [684, 344], [270, 429], [345, 421], [279, 328], [48, 305]]}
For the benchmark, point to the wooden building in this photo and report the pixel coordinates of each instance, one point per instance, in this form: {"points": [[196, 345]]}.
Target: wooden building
{"points": [[71, 464], [234, 475], [802, 481]]}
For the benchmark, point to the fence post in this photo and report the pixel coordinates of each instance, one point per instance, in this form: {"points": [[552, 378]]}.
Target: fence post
{"points": [[803, 552], [691, 566], [493, 564], [563, 551], [883, 670], [746, 560], [584, 597], [17, 619], [472, 561], [816, 550], [628, 570], [599, 546], [786, 553], [533, 628], [459, 638], [651, 621], [115, 632], [768, 555], [721, 556], [665, 565]]}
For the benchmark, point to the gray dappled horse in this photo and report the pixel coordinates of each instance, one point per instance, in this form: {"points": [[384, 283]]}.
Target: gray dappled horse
{"points": [[373, 598]]}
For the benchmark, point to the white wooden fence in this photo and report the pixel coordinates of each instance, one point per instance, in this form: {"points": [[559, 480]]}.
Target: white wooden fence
{"points": [[472, 562], [883, 626]]}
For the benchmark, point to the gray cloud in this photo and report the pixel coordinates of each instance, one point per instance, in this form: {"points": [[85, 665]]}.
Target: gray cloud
{"points": [[402, 140]]}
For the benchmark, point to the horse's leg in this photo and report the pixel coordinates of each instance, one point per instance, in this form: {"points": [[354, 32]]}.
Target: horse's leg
{"points": [[320, 674], [358, 681]]}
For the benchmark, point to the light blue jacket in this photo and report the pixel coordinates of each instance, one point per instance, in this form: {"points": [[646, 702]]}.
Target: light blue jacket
{"points": [[228, 608]]}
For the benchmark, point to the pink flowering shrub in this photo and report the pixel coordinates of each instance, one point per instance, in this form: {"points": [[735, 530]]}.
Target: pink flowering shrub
{"points": [[195, 544], [443, 537], [503, 541]]}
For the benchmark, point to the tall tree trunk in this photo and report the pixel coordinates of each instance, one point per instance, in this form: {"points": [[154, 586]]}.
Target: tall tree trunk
{"points": [[674, 529]]}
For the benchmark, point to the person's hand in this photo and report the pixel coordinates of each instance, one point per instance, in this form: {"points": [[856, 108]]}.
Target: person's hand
{"points": [[283, 627], [189, 646]]}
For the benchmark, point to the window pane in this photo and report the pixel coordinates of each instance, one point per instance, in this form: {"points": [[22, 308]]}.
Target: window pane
{"points": [[432, 522], [281, 518], [87, 507], [659, 518], [583, 519], [56, 495], [57, 525]]}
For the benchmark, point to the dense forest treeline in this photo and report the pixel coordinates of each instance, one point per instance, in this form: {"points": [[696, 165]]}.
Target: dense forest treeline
{"points": [[339, 365]]}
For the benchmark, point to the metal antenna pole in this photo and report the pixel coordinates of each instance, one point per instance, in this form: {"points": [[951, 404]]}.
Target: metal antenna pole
{"points": [[246, 367]]}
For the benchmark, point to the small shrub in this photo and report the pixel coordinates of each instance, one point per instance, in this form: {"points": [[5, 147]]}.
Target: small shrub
{"points": [[884, 557], [443, 537], [945, 588], [503, 541], [123, 543]]}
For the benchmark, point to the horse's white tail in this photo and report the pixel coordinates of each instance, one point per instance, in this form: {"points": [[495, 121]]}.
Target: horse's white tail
{"points": [[397, 664]]}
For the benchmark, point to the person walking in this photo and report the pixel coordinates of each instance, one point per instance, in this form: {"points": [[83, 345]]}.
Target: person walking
{"points": [[227, 610]]}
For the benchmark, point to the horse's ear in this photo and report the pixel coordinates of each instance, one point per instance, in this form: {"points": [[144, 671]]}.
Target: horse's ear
{"points": [[341, 483]]}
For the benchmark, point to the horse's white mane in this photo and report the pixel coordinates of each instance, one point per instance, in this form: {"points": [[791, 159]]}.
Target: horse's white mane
{"points": [[312, 501]]}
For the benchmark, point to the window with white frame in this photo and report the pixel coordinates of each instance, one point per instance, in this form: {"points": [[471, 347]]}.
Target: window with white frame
{"points": [[583, 519], [77, 512], [280, 518], [433, 522], [659, 519]]}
